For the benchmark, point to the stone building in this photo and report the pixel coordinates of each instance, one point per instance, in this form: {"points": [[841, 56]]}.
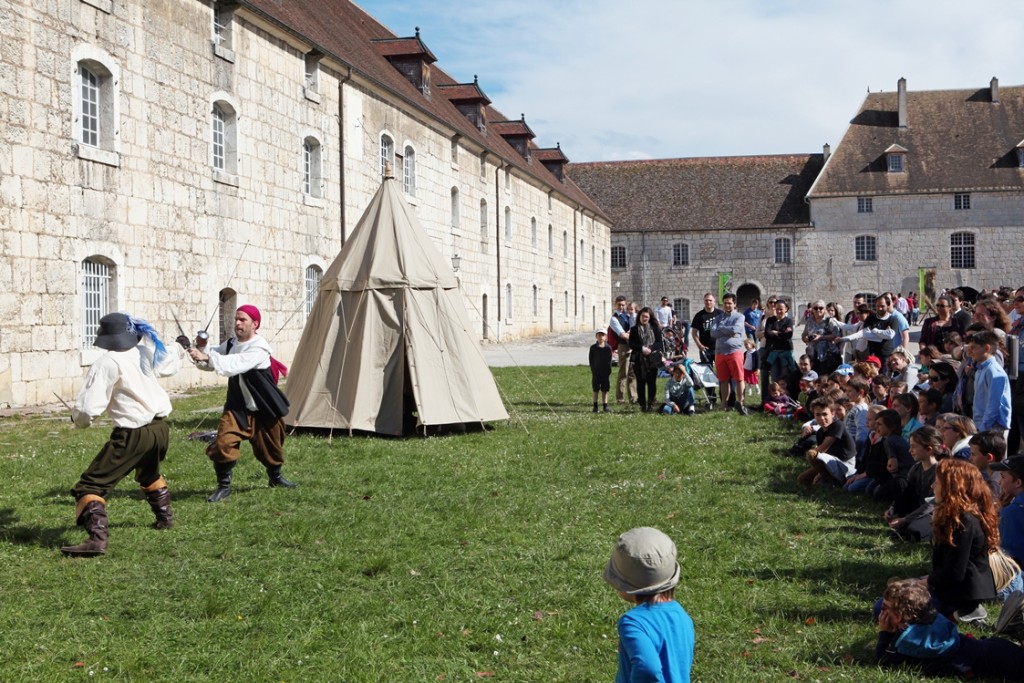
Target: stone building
{"points": [[924, 192], [183, 156], [684, 227]]}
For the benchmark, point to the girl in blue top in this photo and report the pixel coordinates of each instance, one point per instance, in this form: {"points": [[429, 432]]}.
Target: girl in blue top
{"points": [[656, 637]]}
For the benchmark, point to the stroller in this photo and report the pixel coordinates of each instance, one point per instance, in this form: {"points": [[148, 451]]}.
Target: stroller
{"points": [[704, 378]]}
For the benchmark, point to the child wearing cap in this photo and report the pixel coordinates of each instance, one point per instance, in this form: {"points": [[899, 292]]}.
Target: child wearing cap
{"points": [[656, 637], [600, 369]]}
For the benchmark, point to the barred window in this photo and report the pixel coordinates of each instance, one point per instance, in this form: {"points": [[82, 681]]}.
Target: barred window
{"points": [[618, 256], [680, 254], [961, 250], [97, 296], [961, 202], [783, 250], [312, 286], [865, 205], [865, 248]]}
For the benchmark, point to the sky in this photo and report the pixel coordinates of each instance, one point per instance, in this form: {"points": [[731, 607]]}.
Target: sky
{"points": [[650, 79]]}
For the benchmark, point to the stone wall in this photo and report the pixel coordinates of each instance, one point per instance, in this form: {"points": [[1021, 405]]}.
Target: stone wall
{"points": [[176, 232]]}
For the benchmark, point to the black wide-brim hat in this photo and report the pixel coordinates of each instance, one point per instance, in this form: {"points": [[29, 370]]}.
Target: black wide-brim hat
{"points": [[116, 333]]}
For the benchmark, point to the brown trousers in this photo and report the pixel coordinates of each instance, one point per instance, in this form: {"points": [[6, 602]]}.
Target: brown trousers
{"points": [[266, 437], [139, 449]]}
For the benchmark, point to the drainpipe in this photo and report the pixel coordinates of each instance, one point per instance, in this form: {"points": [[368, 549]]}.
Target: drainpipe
{"points": [[497, 242], [341, 149]]}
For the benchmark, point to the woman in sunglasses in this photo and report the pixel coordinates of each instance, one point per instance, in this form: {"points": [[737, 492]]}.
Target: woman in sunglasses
{"points": [[935, 329]]}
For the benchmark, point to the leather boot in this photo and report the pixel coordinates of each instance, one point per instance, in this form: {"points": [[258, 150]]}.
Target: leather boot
{"points": [[94, 518], [223, 470], [160, 503], [274, 473]]}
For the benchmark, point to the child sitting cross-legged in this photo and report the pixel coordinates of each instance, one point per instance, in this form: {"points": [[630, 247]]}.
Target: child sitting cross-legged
{"points": [[911, 631], [833, 458], [779, 402]]}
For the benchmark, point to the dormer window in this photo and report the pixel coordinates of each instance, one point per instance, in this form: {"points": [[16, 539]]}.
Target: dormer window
{"points": [[223, 31], [410, 56], [1020, 154], [896, 159]]}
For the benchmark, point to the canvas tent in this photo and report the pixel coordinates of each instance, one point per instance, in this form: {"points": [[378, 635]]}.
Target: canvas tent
{"points": [[389, 334]]}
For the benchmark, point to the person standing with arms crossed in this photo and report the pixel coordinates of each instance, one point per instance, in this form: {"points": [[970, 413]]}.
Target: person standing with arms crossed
{"points": [[255, 406]]}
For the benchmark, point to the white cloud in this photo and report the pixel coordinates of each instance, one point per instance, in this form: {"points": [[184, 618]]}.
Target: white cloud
{"points": [[670, 78]]}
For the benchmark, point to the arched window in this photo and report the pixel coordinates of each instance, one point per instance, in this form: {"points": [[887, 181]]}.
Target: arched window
{"points": [[783, 250], [583, 254], [533, 232], [409, 171], [961, 250], [508, 224], [565, 244], [312, 286], [551, 240], [96, 105], [680, 254], [535, 301], [508, 301], [98, 295], [312, 168], [224, 137], [387, 155], [228, 303], [865, 248], [455, 209]]}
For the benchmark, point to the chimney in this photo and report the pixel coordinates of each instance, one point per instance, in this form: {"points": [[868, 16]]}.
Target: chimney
{"points": [[901, 99], [826, 151], [994, 86]]}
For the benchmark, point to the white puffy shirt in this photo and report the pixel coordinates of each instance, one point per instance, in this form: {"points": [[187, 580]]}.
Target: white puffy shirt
{"points": [[124, 385]]}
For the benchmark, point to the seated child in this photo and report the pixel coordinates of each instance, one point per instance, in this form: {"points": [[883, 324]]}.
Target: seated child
{"points": [[779, 403], [888, 462], [910, 514], [679, 393], [656, 637], [860, 480], [833, 457], [880, 390], [907, 406], [987, 449], [911, 631], [929, 403]]}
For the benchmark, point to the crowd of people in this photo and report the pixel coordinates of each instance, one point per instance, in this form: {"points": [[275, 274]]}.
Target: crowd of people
{"points": [[934, 436]]}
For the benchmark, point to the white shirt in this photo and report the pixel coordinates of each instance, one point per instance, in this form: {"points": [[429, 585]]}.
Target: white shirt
{"points": [[243, 357], [124, 385], [664, 316]]}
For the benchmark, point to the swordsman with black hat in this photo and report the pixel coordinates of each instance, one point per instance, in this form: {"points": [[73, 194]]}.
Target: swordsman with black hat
{"points": [[123, 383]]}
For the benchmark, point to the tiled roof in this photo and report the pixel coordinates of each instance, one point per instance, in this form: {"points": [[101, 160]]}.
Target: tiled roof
{"points": [[512, 128], [550, 154], [955, 140], [464, 92], [708, 193], [404, 47], [343, 31]]}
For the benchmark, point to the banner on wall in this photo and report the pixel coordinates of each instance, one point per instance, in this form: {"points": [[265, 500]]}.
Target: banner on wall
{"points": [[723, 280]]}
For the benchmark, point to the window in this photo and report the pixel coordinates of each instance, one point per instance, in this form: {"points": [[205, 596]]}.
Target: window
{"points": [[508, 224], [1020, 157], [783, 250], [865, 205], [565, 303], [550, 201], [312, 73], [565, 244], [455, 149], [312, 286], [961, 250], [593, 257], [681, 307], [89, 131], [583, 254], [961, 202], [483, 220], [223, 33], [865, 248], [97, 295], [895, 163], [455, 209], [618, 256], [680, 255], [483, 166], [95, 106], [223, 138], [869, 299], [535, 301], [533, 233], [228, 299], [508, 178], [387, 155], [312, 168], [508, 301], [551, 240], [409, 171]]}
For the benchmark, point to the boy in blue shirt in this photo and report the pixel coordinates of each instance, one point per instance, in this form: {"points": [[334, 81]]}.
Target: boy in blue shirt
{"points": [[656, 637]]}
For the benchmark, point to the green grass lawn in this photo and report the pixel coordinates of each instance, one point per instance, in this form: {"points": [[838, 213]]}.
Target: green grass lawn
{"points": [[454, 558]]}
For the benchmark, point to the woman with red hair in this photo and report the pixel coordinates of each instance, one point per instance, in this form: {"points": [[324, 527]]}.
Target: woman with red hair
{"points": [[965, 529]]}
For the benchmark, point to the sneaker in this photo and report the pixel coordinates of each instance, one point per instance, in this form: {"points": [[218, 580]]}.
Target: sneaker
{"points": [[978, 616], [595, 408], [1012, 610], [741, 409], [691, 411], [607, 409]]}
